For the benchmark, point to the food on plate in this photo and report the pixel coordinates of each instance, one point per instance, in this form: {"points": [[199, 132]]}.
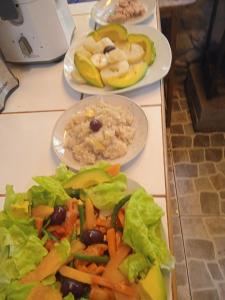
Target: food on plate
{"points": [[126, 10], [99, 132], [111, 57], [82, 236]]}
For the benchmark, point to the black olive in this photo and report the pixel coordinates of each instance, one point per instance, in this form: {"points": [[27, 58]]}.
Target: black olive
{"points": [[108, 49], [93, 236], [95, 125], [78, 289], [58, 216]]}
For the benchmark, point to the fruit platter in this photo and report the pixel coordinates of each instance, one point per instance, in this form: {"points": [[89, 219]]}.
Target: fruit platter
{"points": [[93, 235], [116, 58]]}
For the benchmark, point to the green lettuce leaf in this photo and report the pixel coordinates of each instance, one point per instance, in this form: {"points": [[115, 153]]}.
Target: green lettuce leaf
{"points": [[106, 195], [39, 196], [63, 174], [18, 291], [54, 187], [16, 204], [20, 248], [141, 229], [135, 266], [69, 297]]}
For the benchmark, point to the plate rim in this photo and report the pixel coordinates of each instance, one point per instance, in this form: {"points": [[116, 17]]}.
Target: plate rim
{"points": [[89, 98], [87, 89], [131, 22]]}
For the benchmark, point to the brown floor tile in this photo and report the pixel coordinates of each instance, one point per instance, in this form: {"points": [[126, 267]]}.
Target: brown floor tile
{"points": [[189, 205], [179, 249], [180, 156], [181, 141], [194, 227], [215, 225], [199, 275], [177, 129], [188, 129], [215, 271], [201, 140], [217, 139], [218, 181], [185, 186], [212, 154], [209, 202], [202, 184], [179, 117], [176, 225], [196, 155], [186, 170], [198, 248], [206, 168], [220, 245], [211, 294]]}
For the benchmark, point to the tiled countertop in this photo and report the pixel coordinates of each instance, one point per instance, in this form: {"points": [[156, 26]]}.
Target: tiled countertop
{"points": [[32, 110]]}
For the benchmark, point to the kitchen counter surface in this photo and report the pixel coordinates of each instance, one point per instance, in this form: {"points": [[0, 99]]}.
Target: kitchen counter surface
{"points": [[43, 95]]}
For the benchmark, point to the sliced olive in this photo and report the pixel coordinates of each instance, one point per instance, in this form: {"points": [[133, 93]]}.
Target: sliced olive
{"points": [[108, 49]]}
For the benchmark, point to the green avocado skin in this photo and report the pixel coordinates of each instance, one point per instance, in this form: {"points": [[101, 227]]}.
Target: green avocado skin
{"points": [[147, 44], [135, 74]]}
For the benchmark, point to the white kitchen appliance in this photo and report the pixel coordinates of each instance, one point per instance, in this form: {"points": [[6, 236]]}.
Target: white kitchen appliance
{"points": [[33, 31]]}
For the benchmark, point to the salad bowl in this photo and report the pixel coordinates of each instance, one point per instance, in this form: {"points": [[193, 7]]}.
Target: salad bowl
{"points": [[90, 232]]}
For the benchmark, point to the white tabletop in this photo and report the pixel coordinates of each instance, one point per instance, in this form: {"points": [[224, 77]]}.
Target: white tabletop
{"points": [[43, 95], [32, 110]]}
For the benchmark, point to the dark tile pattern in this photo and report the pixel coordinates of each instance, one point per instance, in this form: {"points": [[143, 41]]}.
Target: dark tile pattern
{"points": [[197, 167]]}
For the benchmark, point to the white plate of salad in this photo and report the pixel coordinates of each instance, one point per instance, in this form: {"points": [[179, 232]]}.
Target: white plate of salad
{"points": [[91, 235], [111, 128]]}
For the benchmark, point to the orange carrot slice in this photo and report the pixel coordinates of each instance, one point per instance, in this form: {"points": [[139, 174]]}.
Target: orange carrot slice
{"points": [[90, 214], [111, 239], [113, 170]]}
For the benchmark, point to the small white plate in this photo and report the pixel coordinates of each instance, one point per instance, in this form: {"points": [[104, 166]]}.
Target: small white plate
{"points": [[104, 8], [140, 125], [155, 72]]}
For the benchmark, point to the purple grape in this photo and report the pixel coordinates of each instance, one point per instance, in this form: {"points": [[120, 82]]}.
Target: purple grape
{"points": [[95, 125], [58, 216]]}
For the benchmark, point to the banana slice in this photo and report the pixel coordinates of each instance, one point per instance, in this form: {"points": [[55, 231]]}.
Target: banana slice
{"points": [[135, 53], [77, 77], [91, 45], [99, 60], [104, 43], [115, 56], [83, 51], [114, 70]]}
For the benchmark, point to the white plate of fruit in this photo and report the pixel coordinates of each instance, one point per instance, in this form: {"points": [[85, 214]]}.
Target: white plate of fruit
{"points": [[116, 59]]}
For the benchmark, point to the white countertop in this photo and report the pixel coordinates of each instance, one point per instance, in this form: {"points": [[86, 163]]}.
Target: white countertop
{"points": [[43, 95], [32, 110]]}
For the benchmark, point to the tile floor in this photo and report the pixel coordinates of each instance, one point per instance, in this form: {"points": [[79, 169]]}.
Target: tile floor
{"points": [[197, 191]]}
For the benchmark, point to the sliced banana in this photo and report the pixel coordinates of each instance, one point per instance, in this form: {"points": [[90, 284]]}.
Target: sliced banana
{"points": [[83, 51], [91, 45], [135, 53], [104, 43], [77, 77], [115, 56], [124, 46], [99, 60], [114, 70]]}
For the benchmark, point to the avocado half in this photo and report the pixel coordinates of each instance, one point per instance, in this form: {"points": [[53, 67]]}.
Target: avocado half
{"points": [[116, 32], [148, 46], [135, 73], [87, 178], [153, 286], [88, 70]]}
